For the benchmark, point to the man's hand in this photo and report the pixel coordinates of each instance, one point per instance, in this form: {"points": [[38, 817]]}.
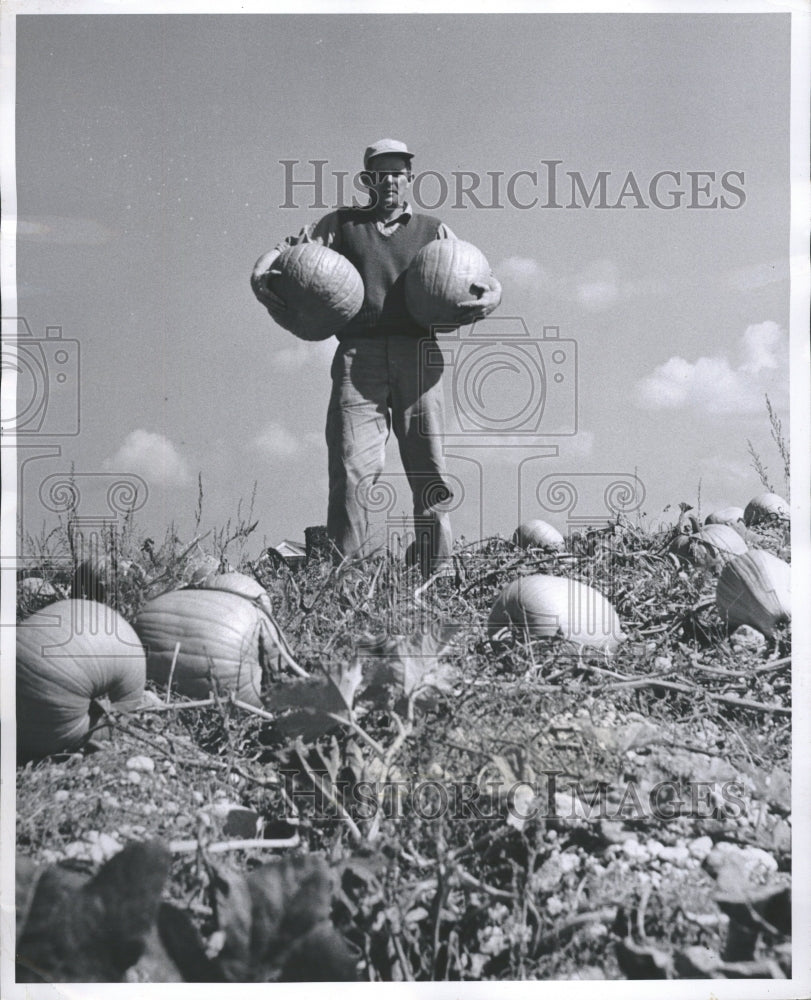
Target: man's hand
{"points": [[488, 296], [262, 278]]}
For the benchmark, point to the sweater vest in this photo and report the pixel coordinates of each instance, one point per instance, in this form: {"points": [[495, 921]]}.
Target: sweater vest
{"points": [[382, 262]]}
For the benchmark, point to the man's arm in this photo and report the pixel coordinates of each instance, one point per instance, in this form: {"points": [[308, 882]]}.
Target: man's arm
{"points": [[488, 298], [488, 295], [326, 231]]}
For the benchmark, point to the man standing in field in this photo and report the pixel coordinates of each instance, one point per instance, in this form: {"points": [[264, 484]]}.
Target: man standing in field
{"points": [[380, 378]]}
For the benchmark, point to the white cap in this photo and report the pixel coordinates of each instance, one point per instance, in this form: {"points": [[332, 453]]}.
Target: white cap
{"points": [[386, 146]]}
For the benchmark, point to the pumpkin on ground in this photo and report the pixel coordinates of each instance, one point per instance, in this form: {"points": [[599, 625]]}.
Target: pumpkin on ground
{"points": [[765, 508], [233, 583], [70, 654], [322, 289], [726, 515], [538, 534], [543, 606], [226, 632], [101, 575], [250, 588], [710, 547], [443, 274], [35, 586], [755, 589]]}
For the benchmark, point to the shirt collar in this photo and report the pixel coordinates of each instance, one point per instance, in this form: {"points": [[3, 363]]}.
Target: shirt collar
{"points": [[404, 215]]}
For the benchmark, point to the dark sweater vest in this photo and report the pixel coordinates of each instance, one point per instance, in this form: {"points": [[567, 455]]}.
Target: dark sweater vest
{"points": [[382, 262]]}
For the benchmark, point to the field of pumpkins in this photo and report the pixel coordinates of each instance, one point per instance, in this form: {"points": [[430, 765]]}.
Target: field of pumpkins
{"points": [[569, 761]]}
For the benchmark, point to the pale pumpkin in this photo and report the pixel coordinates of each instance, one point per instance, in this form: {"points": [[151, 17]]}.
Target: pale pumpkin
{"points": [[755, 589], [225, 641], [726, 515], [69, 655], [444, 274], [765, 508], [322, 290], [250, 588], [227, 633], [543, 606], [233, 583], [35, 586], [538, 534], [100, 575], [711, 546]]}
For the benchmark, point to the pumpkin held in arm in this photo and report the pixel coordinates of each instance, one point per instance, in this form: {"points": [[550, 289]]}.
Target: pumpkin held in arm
{"points": [[448, 284], [315, 291]]}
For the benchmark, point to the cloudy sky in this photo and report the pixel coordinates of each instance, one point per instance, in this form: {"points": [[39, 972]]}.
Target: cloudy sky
{"points": [[151, 175]]}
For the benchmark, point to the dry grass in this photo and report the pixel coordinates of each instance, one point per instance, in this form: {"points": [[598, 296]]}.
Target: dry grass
{"points": [[433, 890]]}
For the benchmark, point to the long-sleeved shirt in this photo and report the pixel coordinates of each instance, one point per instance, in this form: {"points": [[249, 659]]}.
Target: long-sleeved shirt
{"points": [[327, 230]]}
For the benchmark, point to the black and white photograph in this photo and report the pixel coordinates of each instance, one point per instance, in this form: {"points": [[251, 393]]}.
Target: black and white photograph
{"points": [[405, 498]]}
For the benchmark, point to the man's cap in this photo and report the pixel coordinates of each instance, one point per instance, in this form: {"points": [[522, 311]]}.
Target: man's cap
{"points": [[385, 146]]}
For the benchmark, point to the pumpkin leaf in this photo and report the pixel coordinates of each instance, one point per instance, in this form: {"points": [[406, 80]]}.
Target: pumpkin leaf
{"points": [[643, 961], [276, 922], [27, 875], [333, 693], [768, 908], [232, 905], [698, 962], [174, 952], [92, 930], [316, 701], [404, 665]]}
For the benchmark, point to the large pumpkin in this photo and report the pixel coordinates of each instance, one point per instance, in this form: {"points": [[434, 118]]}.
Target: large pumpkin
{"points": [[233, 583], [68, 655], [538, 534], [543, 606], [225, 632], [766, 508], [322, 289], [102, 576], [442, 275], [711, 547], [726, 515], [755, 589]]}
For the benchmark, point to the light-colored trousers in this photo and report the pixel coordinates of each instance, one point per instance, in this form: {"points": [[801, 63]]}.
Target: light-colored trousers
{"points": [[380, 384]]}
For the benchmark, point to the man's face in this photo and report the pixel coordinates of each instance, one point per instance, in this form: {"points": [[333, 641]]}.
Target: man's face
{"points": [[388, 178]]}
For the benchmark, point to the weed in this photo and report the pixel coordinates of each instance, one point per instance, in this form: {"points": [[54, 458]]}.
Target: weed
{"points": [[783, 449]]}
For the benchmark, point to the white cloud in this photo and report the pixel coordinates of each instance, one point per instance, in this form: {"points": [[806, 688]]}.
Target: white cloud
{"points": [[63, 230], [151, 455], [598, 287], [712, 384], [315, 438], [761, 348], [580, 445], [512, 449], [768, 272], [301, 353], [524, 273], [726, 469], [276, 441]]}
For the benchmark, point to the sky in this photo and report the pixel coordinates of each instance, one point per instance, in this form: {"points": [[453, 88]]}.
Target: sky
{"points": [[151, 174]]}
